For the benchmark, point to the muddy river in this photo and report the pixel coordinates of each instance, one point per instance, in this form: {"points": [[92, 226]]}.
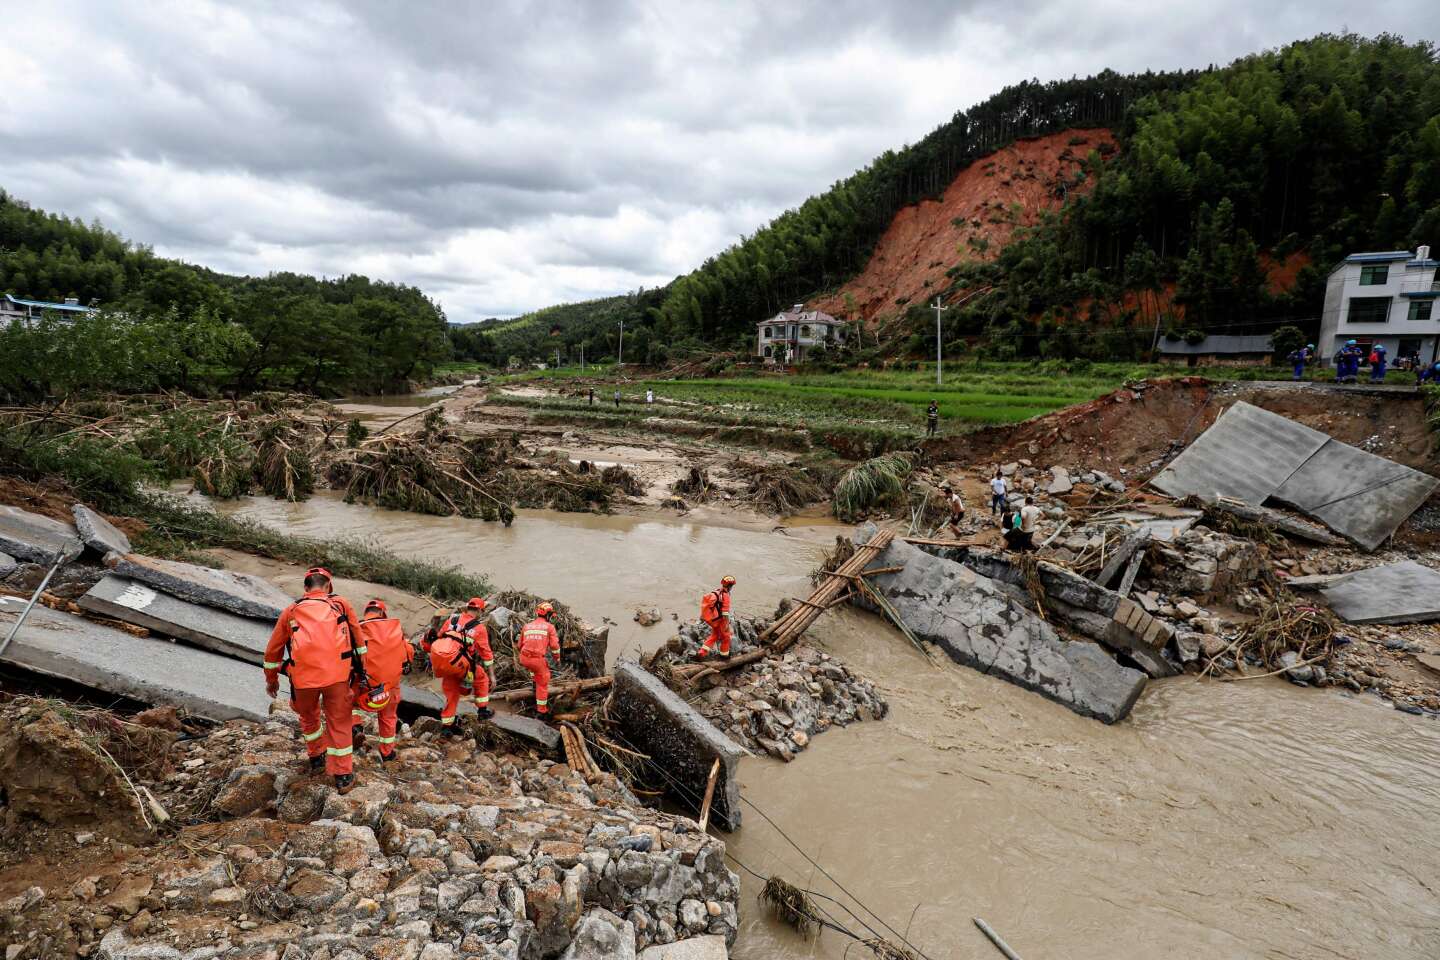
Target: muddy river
{"points": [[1248, 819]]}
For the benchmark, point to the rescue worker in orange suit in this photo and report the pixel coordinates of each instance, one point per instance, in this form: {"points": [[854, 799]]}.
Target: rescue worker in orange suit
{"points": [[460, 655], [538, 644], [387, 657], [715, 611], [315, 643]]}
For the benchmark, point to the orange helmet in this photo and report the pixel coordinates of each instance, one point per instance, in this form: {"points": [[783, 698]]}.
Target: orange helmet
{"points": [[378, 604], [321, 571], [374, 699], [476, 603], [727, 581], [545, 610]]}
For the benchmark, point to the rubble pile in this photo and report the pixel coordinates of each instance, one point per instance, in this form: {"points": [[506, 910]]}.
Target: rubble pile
{"points": [[774, 706], [446, 853], [1205, 564]]}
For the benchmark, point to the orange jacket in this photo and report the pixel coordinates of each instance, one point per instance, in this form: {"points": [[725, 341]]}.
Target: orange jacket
{"points": [[715, 605], [386, 650], [471, 632], [311, 641], [538, 637]]}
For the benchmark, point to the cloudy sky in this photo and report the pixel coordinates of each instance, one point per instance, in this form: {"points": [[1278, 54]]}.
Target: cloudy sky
{"points": [[505, 155]]}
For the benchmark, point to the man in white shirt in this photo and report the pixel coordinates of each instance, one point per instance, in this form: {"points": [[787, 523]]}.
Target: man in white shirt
{"points": [[999, 487], [1029, 519]]}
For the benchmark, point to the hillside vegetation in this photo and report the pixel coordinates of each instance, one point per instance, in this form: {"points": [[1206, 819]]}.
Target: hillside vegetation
{"points": [[1320, 147], [168, 324]]}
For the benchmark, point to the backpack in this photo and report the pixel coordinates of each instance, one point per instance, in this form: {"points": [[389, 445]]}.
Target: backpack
{"points": [[1374, 356], [710, 607], [451, 654], [320, 651]]}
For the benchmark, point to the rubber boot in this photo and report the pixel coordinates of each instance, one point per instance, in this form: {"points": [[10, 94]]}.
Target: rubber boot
{"points": [[316, 764], [484, 713], [344, 783]]}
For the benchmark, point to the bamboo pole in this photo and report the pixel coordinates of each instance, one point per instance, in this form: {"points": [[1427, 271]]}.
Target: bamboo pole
{"points": [[709, 795]]}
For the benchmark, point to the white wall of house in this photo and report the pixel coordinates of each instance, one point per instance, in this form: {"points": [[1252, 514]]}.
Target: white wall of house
{"points": [[790, 335], [1384, 297]]}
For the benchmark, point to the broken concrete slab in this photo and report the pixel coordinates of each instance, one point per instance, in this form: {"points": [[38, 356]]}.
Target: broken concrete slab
{"points": [[35, 539], [1060, 482], [1247, 454], [1360, 496], [1405, 592], [528, 728], [1161, 527], [247, 595], [1078, 603], [978, 624], [219, 631], [657, 722], [1286, 524], [141, 668], [1252, 455], [97, 533]]}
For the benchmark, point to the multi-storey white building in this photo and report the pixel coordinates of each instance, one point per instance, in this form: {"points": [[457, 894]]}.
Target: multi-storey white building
{"points": [[1387, 297], [791, 335], [29, 311]]}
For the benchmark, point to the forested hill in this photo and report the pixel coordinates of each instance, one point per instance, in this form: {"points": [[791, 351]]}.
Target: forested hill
{"points": [[209, 329], [1320, 147]]}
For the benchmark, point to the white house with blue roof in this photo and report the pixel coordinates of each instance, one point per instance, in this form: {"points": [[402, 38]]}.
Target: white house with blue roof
{"points": [[29, 311], [1385, 297]]}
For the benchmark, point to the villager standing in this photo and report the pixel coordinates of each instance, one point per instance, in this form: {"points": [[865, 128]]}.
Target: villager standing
{"points": [[1029, 520], [461, 658], [999, 488], [316, 643], [1298, 359], [932, 419], [1377, 363], [592, 396], [649, 397], [617, 399], [387, 657], [539, 643], [715, 611]]}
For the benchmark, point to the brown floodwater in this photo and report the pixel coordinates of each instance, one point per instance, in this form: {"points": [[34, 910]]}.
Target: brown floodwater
{"points": [[1225, 820], [603, 566]]}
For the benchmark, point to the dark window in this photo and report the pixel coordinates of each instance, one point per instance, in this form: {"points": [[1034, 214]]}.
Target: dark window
{"points": [[1369, 310], [1374, 275], [769, 351], [1409, 347], [768, 334], [805, 331], [1420, 309]]}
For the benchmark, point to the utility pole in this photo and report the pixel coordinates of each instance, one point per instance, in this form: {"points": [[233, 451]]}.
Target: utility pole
{"points": [[557, 358], [582, 356], [621, 361], [938, 311]]}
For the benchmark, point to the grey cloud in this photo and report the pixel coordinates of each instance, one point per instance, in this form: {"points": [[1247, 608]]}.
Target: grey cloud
{"points": [[514, 153]]}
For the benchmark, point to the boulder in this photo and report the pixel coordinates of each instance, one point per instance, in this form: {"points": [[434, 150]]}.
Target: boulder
{"points": [[1060, 482], [8, 565], [601, 935], [977, 623], [710, 947]]}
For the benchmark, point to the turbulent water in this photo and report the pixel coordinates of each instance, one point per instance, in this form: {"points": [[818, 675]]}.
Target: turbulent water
{"points": [[1248, 819]]}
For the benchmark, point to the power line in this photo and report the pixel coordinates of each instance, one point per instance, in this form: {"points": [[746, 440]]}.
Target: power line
{"points": [[691, 795]]}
